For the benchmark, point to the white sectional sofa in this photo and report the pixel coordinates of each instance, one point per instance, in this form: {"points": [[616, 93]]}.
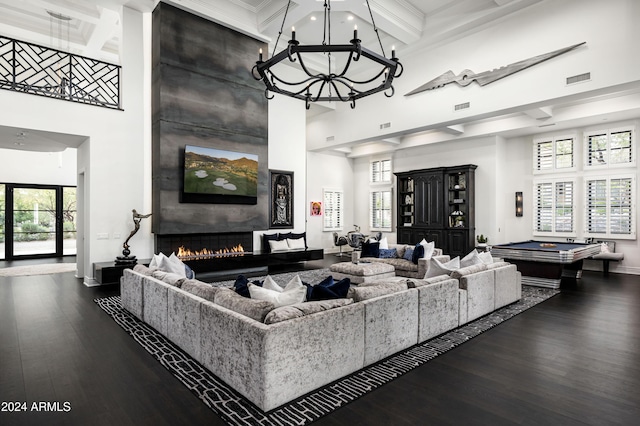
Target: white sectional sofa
{"points": [[271, 364]]}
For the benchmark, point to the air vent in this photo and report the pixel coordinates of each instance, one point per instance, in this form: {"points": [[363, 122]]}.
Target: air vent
{"points": [[462, 106], [330, 138], [578, 78], [385, 125]]}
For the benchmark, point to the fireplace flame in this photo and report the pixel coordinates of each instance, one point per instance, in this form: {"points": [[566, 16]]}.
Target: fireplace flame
{"points": [[187, 254]]}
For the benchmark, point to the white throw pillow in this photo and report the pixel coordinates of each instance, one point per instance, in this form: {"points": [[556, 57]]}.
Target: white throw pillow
{"points": [[168, 264], [428, 248], [278, 245], [437, 268], [485, 257], [296, 243], [470, 259], [384, 244], [294, 292]]}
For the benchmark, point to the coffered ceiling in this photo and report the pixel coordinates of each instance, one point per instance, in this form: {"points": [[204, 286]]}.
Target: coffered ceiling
{"points": [[93, 28]]}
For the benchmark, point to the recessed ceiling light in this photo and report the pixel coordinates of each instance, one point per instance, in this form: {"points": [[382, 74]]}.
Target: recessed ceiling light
{"points": [[313, 18], [350, 18]]}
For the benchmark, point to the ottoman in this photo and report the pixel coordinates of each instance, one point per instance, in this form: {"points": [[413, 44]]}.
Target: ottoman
{"points": [[362, 272]]}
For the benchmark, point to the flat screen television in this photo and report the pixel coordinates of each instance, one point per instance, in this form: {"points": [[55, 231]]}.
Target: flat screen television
{"points": [[217, 176]]}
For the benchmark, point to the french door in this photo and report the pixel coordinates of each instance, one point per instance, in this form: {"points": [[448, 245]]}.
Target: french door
{"points": [[39, 221]]}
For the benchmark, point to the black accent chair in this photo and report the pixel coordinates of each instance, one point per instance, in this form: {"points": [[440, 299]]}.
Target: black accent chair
{"points": [[355, 240], [339, 241]]}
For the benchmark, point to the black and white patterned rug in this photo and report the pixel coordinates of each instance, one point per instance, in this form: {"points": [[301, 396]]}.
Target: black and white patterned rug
{"points": [[236, 410]]}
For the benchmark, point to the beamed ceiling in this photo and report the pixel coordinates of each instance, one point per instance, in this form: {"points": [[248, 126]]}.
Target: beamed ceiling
{"points": [[95, 30]]}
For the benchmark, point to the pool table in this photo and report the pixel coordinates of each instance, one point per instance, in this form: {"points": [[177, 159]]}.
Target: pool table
{"points": [[544, 263]]}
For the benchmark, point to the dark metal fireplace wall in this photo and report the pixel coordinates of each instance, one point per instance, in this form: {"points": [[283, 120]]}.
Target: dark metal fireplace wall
{"points": [[168, 244]]}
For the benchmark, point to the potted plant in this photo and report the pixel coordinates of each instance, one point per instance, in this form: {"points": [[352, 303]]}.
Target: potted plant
{"points": [[482, 240]]}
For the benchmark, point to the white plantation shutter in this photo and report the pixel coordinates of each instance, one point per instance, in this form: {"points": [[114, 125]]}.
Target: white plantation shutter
{"points": [[554, 155], [381, 171], [380, 210], [610, 207], [610, 148], [554, 207], [333, 205], [544, 155], [564, 153]]}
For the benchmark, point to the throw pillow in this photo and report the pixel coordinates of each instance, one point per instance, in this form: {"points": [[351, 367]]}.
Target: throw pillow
{"points": [[437, 268], [293, 292], [278, 245], [485, 257], [418, 253], [265, 241], [168, 264], [328, 289], [384, 243], [200, 289], [370, 249], [388, 253], [471, 259], [428, 248], [241, 286], [408, 253], [604, 248], [170, 278], [296, 243]]}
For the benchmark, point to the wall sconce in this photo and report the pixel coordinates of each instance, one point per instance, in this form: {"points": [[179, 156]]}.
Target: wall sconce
{"points": [[518, 204]]}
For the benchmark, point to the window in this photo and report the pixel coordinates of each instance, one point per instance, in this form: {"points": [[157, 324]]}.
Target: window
{"points": [[609, 148], [333, 209], [610, 207], [381, 171], [554, 154], [554, 207], [380, 218]]}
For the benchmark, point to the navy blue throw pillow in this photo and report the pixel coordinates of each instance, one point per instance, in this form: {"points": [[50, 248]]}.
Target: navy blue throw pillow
{"points": [[408, 253], [328, 289], [370, 249], [418, 252], [388, 253], [188, 272], [241, 286]]}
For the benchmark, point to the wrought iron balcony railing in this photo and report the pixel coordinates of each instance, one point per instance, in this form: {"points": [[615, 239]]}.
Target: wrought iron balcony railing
{"points": [[30, 68]]}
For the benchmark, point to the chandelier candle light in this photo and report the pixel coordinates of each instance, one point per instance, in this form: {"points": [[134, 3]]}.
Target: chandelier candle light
{"points": [[331, 86]]}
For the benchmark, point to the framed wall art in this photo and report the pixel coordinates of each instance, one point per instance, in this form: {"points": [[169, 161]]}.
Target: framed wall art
{"points": [[316, 208], [280, 199]]}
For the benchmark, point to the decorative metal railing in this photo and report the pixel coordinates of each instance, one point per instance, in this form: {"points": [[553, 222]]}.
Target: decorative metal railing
{"points": [[30, 68]]}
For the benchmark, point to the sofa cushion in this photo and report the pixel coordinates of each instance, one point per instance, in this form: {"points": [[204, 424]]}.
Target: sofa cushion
{"points": [[328, 289], [170, 278], [200, 289], [388, 253], [255, 309], [500, 264], [415, 282], [459, 273], [369, 292], [298, 310], [370, 249], [142, 269], [438, 268], [408, 253], [293, 292]]}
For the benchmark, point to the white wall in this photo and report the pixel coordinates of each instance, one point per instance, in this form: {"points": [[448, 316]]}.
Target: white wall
{"points": [[331, 172], [46, 168], [114, 166]]}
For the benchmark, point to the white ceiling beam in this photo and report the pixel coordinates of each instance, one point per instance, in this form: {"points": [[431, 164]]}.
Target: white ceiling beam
{"points": [[454, 129], [102, 32], [541, 113]]}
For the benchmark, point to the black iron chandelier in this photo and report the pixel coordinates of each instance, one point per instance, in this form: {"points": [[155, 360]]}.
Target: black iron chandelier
{"points": [[331, 86]]}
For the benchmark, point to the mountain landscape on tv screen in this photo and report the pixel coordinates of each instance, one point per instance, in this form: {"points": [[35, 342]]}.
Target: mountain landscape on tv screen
{"points": [[212, 174]]}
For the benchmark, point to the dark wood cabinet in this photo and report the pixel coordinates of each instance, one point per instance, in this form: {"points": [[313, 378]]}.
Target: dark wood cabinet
{"points": [[438, 205]]}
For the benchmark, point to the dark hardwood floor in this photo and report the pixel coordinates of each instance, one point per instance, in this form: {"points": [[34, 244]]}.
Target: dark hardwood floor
{"points": [[574, 359]]}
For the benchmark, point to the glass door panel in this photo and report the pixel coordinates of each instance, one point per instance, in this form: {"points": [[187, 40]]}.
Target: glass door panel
{"points": [[69, 214], [34, 221]]}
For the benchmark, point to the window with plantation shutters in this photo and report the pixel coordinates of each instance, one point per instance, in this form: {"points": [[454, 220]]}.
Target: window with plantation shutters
{"points": [[381, 171], [610, 207], [380, 211], [333, 205], [553, 155], [609, 148], [554, 207]]}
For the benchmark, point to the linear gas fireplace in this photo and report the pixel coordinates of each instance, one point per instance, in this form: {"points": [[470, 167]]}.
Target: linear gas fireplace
{"points": [[205, 246]]}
